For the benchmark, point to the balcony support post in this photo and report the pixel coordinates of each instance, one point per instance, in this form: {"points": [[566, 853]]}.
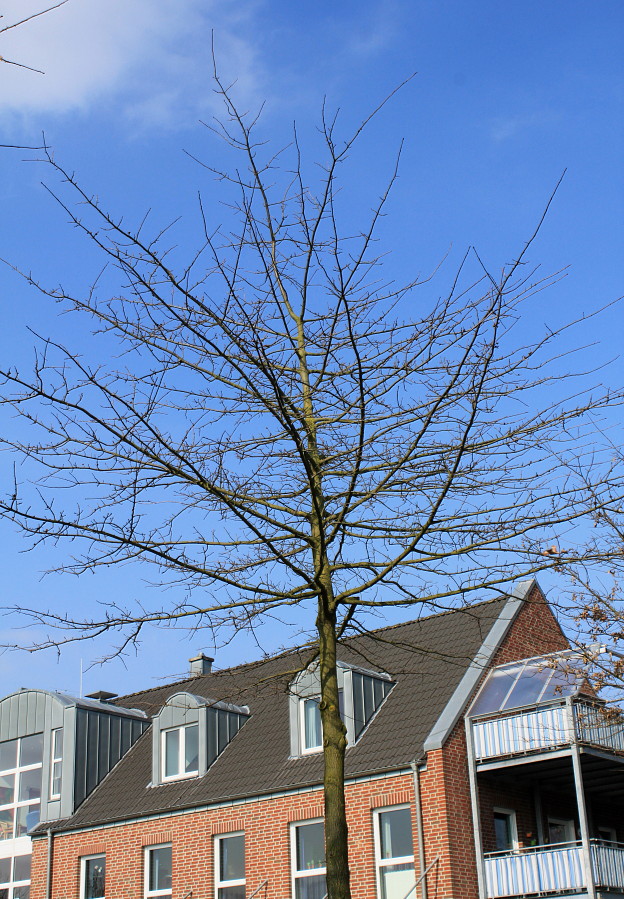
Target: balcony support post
{"points": [[476, 814], [582, 810], [539, 815]]}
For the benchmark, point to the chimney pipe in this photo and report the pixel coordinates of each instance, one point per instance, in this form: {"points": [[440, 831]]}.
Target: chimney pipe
{"points": [[200, 664]]}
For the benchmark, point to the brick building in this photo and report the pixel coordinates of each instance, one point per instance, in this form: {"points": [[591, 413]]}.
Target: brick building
{"points": [[478, 766]]}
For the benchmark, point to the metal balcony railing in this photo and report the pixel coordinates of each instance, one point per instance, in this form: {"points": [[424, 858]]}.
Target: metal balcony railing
{"points": [[553, 869], [549, 726]]}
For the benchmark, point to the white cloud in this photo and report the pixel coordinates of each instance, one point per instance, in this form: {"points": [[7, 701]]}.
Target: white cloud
{"points": [[151, 56], [509, 127]]}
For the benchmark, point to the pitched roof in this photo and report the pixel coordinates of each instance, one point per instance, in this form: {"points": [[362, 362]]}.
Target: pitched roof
{"points": [[428, 658]]}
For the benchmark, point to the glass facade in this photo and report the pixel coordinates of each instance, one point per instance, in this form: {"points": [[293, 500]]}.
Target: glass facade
{"points": [[526, 683], [20, 785], [15, 877]]}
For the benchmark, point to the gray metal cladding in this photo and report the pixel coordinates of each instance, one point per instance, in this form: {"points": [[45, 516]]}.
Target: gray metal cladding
{"points": [[368, 695], [221, 728], [29, 712], [101, 740]]}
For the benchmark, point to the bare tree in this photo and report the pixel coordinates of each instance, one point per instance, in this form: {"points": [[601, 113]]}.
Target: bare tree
{"points": [[42, 12], [287, 427]]}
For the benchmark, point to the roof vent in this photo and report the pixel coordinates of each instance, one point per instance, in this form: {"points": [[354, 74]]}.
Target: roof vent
{"points": [[201, 664], [101, 696]]}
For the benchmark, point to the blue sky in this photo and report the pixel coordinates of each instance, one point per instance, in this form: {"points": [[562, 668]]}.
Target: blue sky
{"points": [[506, 96]]}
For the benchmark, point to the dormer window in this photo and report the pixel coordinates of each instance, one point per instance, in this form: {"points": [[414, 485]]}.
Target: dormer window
{"points": [[189, 734], [360, 695], [180, 752]]}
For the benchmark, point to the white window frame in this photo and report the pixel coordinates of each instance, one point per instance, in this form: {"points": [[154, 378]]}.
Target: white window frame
{"points": [[83, 872], [219, 883], [295, 874], [511, 814], [56, 759], [395, 860], [308, 750], [13, 884], [17, 772], [147, 851], [182, 774]]}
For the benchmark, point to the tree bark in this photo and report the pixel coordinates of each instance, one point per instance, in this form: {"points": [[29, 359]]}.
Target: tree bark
{"points": [[334, 745]]}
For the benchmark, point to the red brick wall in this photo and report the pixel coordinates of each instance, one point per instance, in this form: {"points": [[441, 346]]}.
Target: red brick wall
{"points": [[445, 802], [446, 790], [266, 823]]}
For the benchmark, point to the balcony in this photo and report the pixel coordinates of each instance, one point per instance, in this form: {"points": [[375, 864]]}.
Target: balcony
{"points": [[549, 726], [554, 870]]}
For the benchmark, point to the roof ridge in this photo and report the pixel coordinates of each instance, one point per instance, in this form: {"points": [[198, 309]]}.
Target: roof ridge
{"points": [[303, 647]]}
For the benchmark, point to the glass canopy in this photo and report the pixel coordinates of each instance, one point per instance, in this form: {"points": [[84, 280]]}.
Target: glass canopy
{"points": [[528, 682]]}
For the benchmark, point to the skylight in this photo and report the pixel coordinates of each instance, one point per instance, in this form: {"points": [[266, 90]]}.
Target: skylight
{"points": [[528, 682]]}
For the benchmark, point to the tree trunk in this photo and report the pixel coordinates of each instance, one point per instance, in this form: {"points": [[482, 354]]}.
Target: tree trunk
{"points": [[334, 745]]}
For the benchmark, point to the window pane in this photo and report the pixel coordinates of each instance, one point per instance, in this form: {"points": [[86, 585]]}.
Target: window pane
{"points": [[5, 870], [21, 869], [528, 686], [496, 687], [502, 831], [232, 892], [31, 750], [30, 785], [57, 743], [396, 880], [232, 858], [7, 788], [396, 833], [172, 752], [4, 894], [21, 893], [313, 728], [55, 786], [160, 868], [26, 817], [310, 846], [6, 823], [191, 749], [310, 887], [8, 755], [95, 874]]}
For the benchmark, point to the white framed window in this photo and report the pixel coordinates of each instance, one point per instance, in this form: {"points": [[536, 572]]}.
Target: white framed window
{"points": [[93, 877], [229, 854], [310, 727], [505, 829], [56, 763], [394, 851], [21, 764], [307, 853], [180, 752], [157, 871], [15, 877]]}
